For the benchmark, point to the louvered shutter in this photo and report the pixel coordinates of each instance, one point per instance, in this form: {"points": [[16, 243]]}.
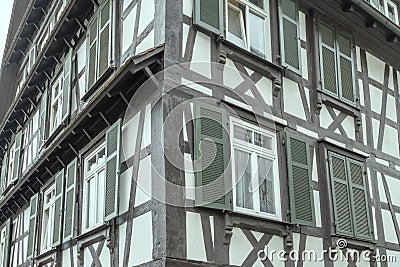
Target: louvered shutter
{"points": [[6, 230], [43, 121], [328, 58], [59, 181], [341, 194], [209, 15], [300, 181], [66, 104], [17, 153], [113, 143], [361, 220], [3, 181], [104, 57], [32, 227], [290, 34], [345, 60], [69, 204], [211, 157], [92, 53]]}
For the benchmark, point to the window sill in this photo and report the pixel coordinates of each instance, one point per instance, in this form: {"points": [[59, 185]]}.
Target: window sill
{"points": [[46, 256], [354, 242], [329, 100], [92, 231]]}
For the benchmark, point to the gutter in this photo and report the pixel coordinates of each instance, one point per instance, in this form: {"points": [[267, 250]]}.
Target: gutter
{"points": [[378, 16]]}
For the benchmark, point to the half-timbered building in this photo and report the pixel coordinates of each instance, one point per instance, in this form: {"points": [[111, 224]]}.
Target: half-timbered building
{"points": [[200, 133]]}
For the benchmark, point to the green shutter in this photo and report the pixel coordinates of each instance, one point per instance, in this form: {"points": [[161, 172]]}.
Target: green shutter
{"points": [[32, 227], [362, 227], [104, 49], [17, 154], [92, 53], [328, 58], [6, 230], [43, 121], [70, 201], [3, 181], [66, 104], [345, 61], [300, 181], [59, 181], [341, 194], [211, 157], [209, 15], [290, 34], [113, 143]]}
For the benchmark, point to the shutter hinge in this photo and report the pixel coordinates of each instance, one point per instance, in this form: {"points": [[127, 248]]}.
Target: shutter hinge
{"points": [[283, 142]]}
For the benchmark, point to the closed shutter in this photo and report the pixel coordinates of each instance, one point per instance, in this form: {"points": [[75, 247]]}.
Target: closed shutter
{"points": [[92, 53], [3, 181], [43, 119], [328, 58], [104, 56], [67, 86], [70, 201], [32, 227], [209, 15], [345, 60], [59, 179], [6, 230], [362, 227], [290, 34], [211, 157], [341, 194], [300, 181], [113, 143], [17, 154]]}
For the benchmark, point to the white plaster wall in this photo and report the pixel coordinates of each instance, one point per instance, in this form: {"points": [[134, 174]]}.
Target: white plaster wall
{"points": [[129, 136], [390, 141], [394, 185], [231, 76], [349, 127], [390, 232], [188, 8], [325, 118], [376, 99], [395, 258], [185, 34], [240, 247], [125, 180], [391, 108], [147, 43], [264, 87], [146, 140], [292, 99], [317, 207], [190, 180], [128, 26], [376, 68], [143, 190], [381, 189], [202, 55], [194, 237], [66, 257], [314, 244]]}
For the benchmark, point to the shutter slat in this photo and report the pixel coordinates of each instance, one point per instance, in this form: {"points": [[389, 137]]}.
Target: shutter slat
{"points": [[59, 178], [32, 227], [104, 39], [69, 204], [328, 58], [92, 54], [300, 181], [113, 143], [346, 67], [208, 14], [211, 157]]}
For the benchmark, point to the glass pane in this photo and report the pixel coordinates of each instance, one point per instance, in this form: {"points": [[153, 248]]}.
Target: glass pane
{"points": [[244, 195], [100, 192], [259, 3], [243, 134], [266, 181], [257, 34], [91, 207], [263, 141], [235, 33], [102, 156]]}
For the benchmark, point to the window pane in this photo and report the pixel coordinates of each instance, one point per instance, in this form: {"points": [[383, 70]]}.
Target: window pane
{"points": [[244, 195], [100, 192], [91, 207], [259, 3], [243, 134], [235, 26], [257, 34], [262, 141], [266, 181]]}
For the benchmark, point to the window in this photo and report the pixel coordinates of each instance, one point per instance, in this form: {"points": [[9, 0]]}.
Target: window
{"points": [[255, 170], [247, 25], [49, 199], [11, 163], [80, 73], [387, 8], [31, 140], [5, 243], [290, 35], [94, 166], [349, 192], [56, 103], [337, 63]]}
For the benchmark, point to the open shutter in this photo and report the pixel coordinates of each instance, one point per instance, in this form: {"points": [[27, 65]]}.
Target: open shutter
{"points": [[113, 143], [32, 227], [17, 154], [104, 57], [6, 231], [300, 181], [92, 53], [59, 181], [290, 34], [211, 157], [328, 58], [341, 194], [3, 181], [43, 114], [345, 61], [69, 204], [362, 226], [66, 104], [209, 15]]}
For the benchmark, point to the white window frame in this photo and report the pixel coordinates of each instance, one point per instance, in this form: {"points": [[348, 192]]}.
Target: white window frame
{"points": [[393, 5], [89, 175], [3, 245], [11, 164], [50, 208], [30, 152], [56, 100], [256, 152], [251, 8]]}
